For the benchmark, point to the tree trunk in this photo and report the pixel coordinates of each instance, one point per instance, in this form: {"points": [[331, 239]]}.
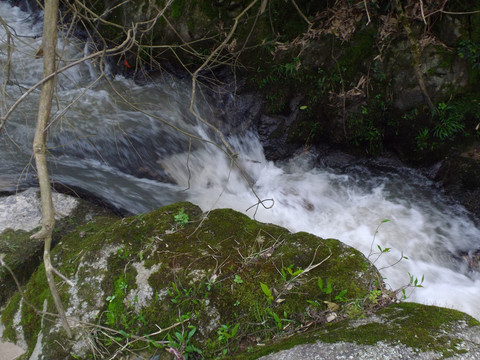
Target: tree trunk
{"points": [[49, 43]]}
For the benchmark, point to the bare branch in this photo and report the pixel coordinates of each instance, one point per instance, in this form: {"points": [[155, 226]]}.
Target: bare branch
{"points": [[422, 12], [7, 66], [366, 10], [303, 16], [207, 62]]}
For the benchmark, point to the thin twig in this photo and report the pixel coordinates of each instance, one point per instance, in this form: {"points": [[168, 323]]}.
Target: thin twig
{"points": [[302, 15], [123, 46], [422, 12], [188, 164], [366, 10]]}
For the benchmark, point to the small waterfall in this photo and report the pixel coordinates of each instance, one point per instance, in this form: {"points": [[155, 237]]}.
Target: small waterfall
{"points": [[127, 154]]}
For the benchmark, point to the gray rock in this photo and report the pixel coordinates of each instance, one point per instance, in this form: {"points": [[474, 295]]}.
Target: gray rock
{"points": [[23, 210]]}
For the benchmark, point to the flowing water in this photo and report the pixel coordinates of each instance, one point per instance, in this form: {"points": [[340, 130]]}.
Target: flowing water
{"points": [[137, 161]]}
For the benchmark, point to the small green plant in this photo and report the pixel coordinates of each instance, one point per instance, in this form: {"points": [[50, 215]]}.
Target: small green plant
{"points": [[267, 292], [288, 273], [449, 122], [123, 315], [363, 132], [180, 345], [115, 314], [322, 81], [289, 69], [382, 250], [341, 296], [276, 318], [373, 295], [237, 279], [327, 290], [181, 218], [413, 283], [123, 253], [179, 294], [227, 332], [423, 140]]}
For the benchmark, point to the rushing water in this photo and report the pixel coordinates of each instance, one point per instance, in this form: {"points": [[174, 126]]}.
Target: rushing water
{"points": [[137, 162]]}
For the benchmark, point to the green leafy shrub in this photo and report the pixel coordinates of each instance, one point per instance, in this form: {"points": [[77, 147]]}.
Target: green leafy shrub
{"points": [[449, 121], [470, 50]]}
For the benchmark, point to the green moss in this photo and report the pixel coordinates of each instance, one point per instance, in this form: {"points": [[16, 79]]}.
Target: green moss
{"points": [[205, 272], [8, 315], [22, 255], [358, 53], [423, 328], [413, 325], [36, 292], [177, 8]]}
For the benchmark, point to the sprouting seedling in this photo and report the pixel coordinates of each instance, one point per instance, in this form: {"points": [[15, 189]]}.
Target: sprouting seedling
{"points": [[181, 218], [267, 292], [341, 296], [289, 273], [414, 282], [382, 250], [327, 290]]}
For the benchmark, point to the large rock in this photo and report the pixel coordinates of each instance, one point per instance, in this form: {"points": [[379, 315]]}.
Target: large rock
{"points": [[400, 331], [20, 217], [460, 176], [179, 281]]}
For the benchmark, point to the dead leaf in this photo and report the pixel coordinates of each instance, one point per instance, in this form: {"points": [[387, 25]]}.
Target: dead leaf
{"points": [[332, 306]]}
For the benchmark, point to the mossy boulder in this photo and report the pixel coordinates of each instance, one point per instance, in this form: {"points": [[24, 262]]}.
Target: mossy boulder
{"points": [[22, 255], [400, 331], [20, 252], [176, 280]]}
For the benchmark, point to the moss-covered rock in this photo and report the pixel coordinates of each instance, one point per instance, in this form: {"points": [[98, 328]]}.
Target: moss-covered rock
{"points": [[179, 280], [21, 253], [403, 331]]}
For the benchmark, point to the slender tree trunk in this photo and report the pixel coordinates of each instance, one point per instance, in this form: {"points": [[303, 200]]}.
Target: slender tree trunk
{"points": [[49, 43]]}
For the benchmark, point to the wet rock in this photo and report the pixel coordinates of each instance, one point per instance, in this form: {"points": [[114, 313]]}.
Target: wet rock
{"points": [[460, 176], [23, 211], [471, 259]]}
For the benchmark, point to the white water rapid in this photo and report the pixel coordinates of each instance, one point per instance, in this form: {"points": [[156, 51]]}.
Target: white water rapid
{"points": [[136, 162]]}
